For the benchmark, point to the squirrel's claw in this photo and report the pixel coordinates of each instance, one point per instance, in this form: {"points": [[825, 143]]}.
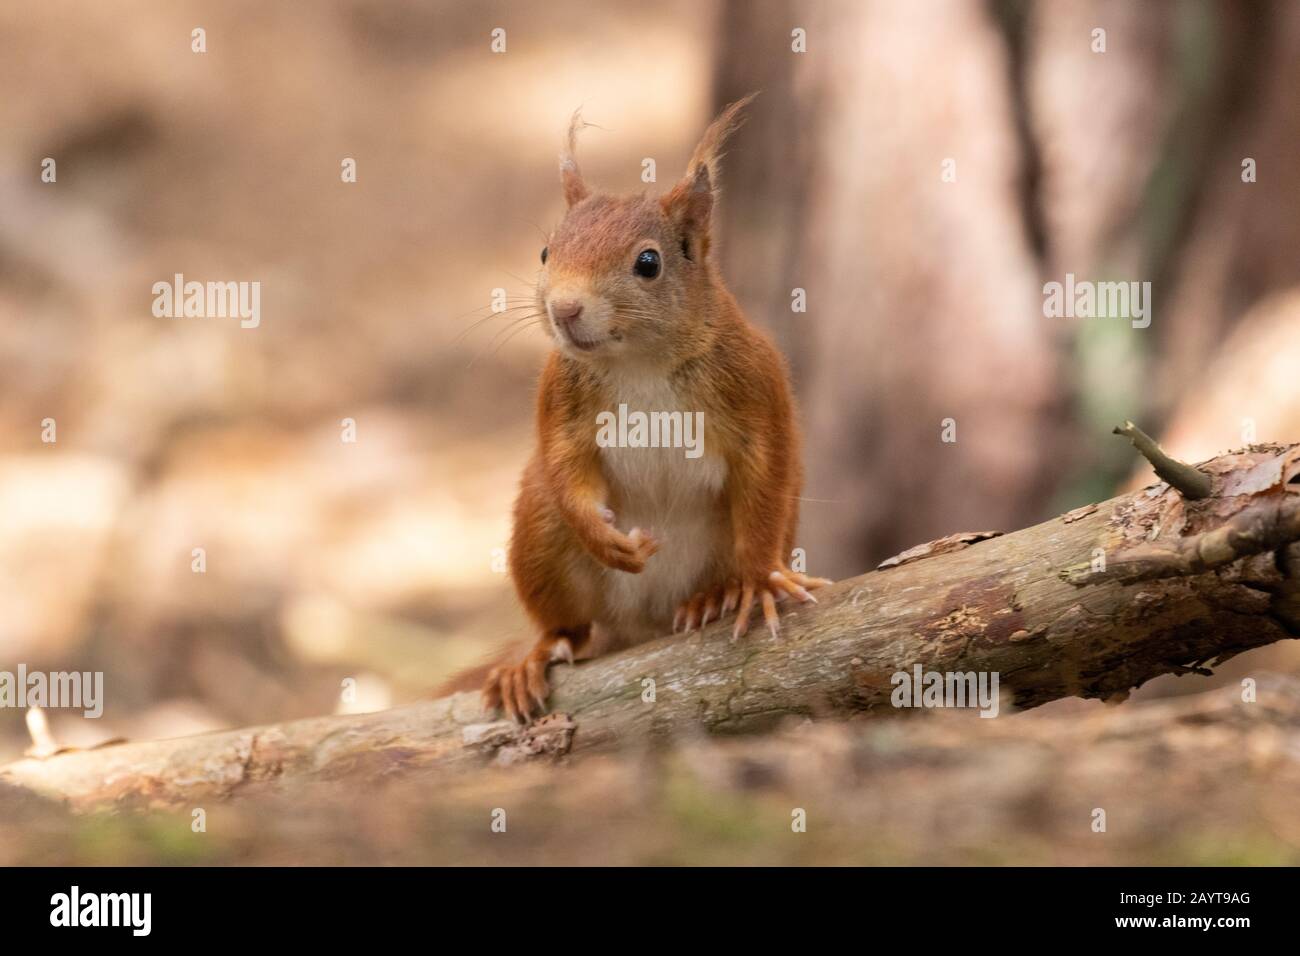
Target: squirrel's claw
{"points": [[769, 612], [731, 597], [811, 583], [742, 616], [693, 609], [712, 610]]}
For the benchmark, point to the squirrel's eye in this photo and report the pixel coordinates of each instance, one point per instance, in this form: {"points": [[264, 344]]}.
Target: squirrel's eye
{"points": [[647, 264], [543, 255]]}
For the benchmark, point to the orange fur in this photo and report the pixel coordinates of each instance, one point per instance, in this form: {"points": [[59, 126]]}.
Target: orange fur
{"points": [[676, 337]]}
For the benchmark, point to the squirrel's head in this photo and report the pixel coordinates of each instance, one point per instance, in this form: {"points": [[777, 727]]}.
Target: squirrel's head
{"points": [[626, 276]]}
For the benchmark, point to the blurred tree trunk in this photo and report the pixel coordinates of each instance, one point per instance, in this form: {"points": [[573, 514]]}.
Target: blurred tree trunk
{"points": [[1243, 236], [767, 176], [923, 295], [1099, 121], [1140, 149], [1150, 187]]}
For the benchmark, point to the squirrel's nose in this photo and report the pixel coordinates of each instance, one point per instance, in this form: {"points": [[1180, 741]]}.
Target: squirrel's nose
{"points": [[566, 311]]}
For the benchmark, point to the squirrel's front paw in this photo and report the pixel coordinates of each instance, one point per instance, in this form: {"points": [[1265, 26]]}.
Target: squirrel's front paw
{"points": [[625, 552], [716, 604]]}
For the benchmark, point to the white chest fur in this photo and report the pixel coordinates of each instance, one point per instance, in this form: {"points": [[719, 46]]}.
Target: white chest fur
{"points": [[673, 492]]}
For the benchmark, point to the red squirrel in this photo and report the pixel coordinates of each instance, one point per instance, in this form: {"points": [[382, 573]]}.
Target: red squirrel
{"points": [[616, 545]]}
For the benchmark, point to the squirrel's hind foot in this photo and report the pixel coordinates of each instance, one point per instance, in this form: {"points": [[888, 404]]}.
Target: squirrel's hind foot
{"points": [[520, 690]]}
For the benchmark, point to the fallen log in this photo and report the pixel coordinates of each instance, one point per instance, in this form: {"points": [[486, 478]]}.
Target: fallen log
{"points": [[1091, 604]]}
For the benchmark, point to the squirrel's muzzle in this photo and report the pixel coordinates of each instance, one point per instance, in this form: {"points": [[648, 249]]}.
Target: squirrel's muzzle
{"points": [[566, 311]]}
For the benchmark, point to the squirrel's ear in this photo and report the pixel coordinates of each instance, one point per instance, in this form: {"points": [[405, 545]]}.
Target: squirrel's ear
{"points": [[688, 206], [691, 200], [575, 190]]}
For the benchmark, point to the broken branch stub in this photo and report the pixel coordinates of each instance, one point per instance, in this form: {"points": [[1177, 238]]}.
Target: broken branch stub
{"points": [[1192, 482]]}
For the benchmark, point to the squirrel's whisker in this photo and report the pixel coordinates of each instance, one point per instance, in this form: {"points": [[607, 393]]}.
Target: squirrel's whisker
{"points": [[512, 325], [514, 331], [511, 330], [488, 318]]}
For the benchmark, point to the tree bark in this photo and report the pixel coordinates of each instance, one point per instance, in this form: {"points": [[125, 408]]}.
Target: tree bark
{"points": [[1090, 604]]}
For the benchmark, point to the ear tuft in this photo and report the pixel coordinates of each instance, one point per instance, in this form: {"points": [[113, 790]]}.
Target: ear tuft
{"points": [[709, 151], [575, 190], [689, 204]]}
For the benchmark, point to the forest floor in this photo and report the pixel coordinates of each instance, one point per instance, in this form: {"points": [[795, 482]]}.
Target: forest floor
{"points": [[1206, 779]]}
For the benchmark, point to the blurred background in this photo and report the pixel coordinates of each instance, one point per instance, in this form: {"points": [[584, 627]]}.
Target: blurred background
{"points": [[379, 559]]}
